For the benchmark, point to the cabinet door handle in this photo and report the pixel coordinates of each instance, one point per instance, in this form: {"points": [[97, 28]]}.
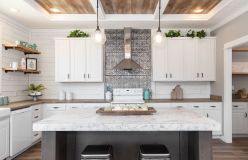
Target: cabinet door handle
{"points": [[73, 107], [166, 75], [246, 115], [202, 75], [207, 115], [36, 134], [84, 75], [196, 106], [36, 117], [197, 75], [236, 106], [68, 76], [170, 75], [213, 106], [88, 75], [55, 107], [36, 109]]}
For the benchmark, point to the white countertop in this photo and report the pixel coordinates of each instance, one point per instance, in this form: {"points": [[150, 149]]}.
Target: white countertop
{"points": [[163, 120]]}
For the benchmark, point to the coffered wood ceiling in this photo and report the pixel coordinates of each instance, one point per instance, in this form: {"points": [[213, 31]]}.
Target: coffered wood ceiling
{"points": [[67, 6], [129, 6], [189, 6]]}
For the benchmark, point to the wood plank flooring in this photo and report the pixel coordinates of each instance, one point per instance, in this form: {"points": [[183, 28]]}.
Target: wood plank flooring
{"points": [[238, 150]]}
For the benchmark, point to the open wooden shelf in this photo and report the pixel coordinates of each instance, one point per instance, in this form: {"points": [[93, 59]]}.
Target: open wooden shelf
{"points": [[240, 73], [21, 48], [240, 50], [6, 70]]}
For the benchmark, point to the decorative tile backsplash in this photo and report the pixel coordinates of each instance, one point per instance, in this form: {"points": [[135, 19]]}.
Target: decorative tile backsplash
{"points": [[141, 54]]}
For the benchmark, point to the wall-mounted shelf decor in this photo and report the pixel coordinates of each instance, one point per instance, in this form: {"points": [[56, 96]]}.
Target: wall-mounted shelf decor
{"points": [[240, 50], [25, 50], [240, 73], [6, 70]]}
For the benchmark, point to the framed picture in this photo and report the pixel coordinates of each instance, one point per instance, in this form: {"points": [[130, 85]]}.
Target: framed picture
{"points": [[31, 64]]}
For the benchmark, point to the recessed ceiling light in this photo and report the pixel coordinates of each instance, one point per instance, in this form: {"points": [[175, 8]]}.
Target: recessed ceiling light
{"points": [[14, 10], [198, 10], [55, 10]]}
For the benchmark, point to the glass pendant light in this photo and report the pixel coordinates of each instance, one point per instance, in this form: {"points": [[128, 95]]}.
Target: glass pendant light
{"points": [[158, 38], [99, 36]]}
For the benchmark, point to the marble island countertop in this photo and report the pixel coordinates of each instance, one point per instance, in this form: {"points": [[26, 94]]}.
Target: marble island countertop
{"points": [[163, 120]]}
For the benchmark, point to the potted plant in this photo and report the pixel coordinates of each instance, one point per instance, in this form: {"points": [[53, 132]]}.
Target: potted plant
{"points": [[35, 90]]}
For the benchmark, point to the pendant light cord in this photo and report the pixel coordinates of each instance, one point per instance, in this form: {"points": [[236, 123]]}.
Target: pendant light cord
{"points": [[159, 8], [97, 6]]}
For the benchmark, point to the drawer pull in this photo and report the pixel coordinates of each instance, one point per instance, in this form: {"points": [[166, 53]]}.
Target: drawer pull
{"points": [[36, 134], [236, 106], [179, 106], [55, 107], [207, 115], [196, 106], [36, 117], [213, 106], [37, 109], [74, 107]]}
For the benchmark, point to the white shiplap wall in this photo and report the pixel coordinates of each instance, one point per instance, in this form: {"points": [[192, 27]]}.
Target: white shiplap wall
{"points": [[190, 89], [12, 84], [46, 63]]}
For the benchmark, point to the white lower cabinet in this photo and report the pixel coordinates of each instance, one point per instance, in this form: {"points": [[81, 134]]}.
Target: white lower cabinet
{"points": [[52, 109], [20, 130], [240, 118], [4, 138]]}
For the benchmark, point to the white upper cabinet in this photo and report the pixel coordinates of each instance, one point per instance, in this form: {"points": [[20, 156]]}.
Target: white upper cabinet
{"points": [[174, 51], [184, 59], [94, 61], [81, 60], [62, 60], [206, 52]]}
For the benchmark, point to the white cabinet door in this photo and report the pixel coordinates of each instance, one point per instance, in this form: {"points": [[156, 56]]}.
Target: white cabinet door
{"points": [[175, 59], [239, 122], [159, 62], [4, 138], [206, 59], [62, 60], [94, 61], [190, 67], [78, 60]]}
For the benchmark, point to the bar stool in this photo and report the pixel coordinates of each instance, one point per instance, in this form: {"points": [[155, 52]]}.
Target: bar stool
{"points": [[97, 152], [154, 152]]}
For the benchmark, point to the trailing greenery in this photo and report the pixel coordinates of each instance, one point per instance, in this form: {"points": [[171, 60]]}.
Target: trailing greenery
{"points": [[35, 88], [173, 33], [190, 33], [201, 34], [78, 33]]}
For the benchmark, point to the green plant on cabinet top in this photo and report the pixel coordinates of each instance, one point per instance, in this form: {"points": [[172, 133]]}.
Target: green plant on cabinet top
{"points": [[78, 34]]}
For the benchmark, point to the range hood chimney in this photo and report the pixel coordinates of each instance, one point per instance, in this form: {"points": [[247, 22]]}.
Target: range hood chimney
{"points": [[127, 63]]}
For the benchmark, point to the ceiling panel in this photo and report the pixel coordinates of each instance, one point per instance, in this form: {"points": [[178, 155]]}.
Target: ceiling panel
{"points": [[190, 6], [67, 6], [129, 6]]}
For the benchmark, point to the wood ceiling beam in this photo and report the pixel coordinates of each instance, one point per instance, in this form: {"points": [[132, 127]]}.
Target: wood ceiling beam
{"points": [[164, 4], [100, 9]]}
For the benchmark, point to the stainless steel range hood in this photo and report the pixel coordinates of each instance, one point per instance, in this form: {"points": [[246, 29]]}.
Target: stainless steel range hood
{"points": [[127, 63]]}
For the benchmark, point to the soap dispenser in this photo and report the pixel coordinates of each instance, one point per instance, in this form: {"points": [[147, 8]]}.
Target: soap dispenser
{"points": [[147, 94]]}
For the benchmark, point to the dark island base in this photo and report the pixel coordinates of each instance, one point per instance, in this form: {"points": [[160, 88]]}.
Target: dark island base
{"points": [[181, 145]]}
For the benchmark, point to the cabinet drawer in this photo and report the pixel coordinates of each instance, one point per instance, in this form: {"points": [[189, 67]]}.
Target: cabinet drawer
{"points": [[36, 136], [70, 107], [55, 107], [239, 106], [36, 117]]}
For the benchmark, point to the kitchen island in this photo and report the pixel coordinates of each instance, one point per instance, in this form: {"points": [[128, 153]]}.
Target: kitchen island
{"points": [[186, 134]]}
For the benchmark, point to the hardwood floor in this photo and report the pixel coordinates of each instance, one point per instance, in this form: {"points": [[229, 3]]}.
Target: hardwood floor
{"points": [[238, 150]]}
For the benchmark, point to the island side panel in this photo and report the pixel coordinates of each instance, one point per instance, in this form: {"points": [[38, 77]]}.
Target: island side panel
{"points": [[200, 146], [54, 146]]}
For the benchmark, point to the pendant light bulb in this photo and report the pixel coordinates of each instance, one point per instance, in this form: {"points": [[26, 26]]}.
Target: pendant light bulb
{"points": [[158, 37], [100, 37]]}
